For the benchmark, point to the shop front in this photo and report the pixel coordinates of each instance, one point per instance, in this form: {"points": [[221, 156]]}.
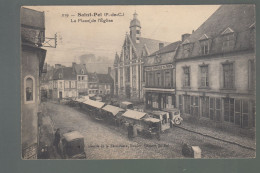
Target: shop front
{"points": [[159, 100]]}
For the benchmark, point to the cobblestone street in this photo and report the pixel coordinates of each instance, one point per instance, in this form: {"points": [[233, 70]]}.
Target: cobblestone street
{"points": [[103, 141]]}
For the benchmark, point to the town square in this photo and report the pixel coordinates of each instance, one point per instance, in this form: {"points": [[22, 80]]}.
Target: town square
{"points": [[138, 82]]}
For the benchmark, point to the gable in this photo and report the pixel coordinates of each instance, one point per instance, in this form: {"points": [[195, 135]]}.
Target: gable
{"points": [[227, 31]]}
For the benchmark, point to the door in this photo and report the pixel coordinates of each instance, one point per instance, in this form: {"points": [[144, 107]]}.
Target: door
{"points": [[205, 107], [60, 94], [128, 91], [212, 108], [180, 104], [242, 113]]}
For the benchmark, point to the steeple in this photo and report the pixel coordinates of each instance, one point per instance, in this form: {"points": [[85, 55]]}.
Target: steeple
{"points": [[135, 29]]}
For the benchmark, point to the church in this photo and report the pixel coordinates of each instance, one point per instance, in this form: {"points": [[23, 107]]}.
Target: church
{"points": [[128, 65]]}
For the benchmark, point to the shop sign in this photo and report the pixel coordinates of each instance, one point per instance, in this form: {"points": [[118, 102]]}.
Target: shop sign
{"points": [[159, 67]]}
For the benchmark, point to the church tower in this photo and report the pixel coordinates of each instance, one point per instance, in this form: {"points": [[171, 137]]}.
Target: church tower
{"points": [[135, 29]]}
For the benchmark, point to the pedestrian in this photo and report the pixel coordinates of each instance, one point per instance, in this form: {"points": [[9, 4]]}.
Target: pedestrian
{"points": [[130, 131], [57, 137]]}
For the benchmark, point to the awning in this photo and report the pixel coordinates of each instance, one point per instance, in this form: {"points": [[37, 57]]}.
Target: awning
{"points": [[154, 120], [126, 103], [81, 100], [159, 89], [93, 103], [113, 109], [134, 114]]}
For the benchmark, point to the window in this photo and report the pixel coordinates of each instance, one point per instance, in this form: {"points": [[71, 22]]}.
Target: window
{"points": [[186, 50], [137, 31], [67, 84], [167, 79], [186, 76], [229, 110], [155, 101], [60, 85], [204, 44], [228, 77], [29, 89], [127, 74], [72, 84], [158, 79], [251, 75], [204, 81], [116, 75], [228, 42], [150, 79], [79, 78]]}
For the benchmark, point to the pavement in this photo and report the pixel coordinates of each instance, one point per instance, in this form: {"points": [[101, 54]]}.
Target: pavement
{"points": [[220, 134], [104, 141]]}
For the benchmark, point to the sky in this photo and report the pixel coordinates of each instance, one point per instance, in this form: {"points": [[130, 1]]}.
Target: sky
{"points": [[165, 22]]}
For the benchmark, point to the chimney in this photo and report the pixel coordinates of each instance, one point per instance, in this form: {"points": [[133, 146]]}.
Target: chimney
{"points": [[109, 70], [184, 37], [73, 63], [161, 45], [57, 66]]}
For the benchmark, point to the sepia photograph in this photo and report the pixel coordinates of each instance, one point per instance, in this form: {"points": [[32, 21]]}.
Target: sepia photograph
{"points": [[138, 82]]}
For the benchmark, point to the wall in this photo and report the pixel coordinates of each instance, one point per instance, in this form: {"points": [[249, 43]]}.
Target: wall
{"points": [[215, 72], [29, 124]]}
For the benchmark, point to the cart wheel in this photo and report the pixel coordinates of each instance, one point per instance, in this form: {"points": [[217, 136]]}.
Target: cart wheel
{"points": [[177, 121]]}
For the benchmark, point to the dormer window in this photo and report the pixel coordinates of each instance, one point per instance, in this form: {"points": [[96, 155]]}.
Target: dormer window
{"points": [[204, 44], [82, 71], [60, 75], [228, 40], [186, 50]]}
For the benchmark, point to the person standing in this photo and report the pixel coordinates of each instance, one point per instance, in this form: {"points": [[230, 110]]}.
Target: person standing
{"points": [[57, 137]]}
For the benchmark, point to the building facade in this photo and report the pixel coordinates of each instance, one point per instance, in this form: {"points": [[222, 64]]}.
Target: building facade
{"points": [[215, 69], [128, 65], [159, 71], [32, 61], [82, 78], [64, 83], [105, 84]]}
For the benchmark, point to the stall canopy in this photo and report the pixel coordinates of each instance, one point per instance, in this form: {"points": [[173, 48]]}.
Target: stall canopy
{"points": [[93, 103], [81, 100], [113, 109], [134, 114], [153, 120], [126, 103]]}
